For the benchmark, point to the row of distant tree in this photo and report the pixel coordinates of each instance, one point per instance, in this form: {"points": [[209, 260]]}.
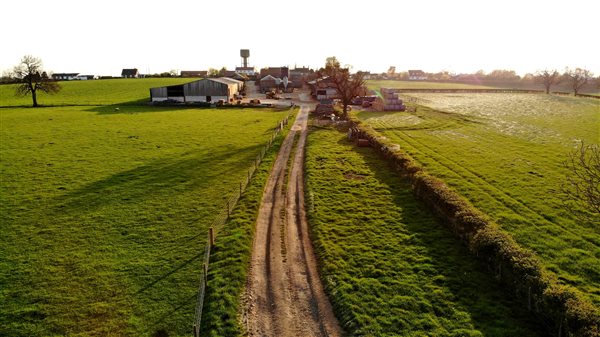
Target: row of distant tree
{"points": [[574, 78]]}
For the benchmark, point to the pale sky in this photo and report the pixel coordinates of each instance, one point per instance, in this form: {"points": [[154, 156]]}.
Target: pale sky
{"points": [[102, 37]]}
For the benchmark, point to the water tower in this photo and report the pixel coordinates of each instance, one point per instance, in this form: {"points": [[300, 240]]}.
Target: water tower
{"points": [[245, 54]]}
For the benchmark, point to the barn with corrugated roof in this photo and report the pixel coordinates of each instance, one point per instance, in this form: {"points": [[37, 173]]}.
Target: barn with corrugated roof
{"points": [[205, 90]]}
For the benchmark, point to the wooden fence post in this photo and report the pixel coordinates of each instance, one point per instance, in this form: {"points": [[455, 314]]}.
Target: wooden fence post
{"points": [[211, 234]]}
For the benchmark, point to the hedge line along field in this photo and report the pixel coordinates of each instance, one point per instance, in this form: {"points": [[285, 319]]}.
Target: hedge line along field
{"points": [[93, 92], [504, 153], [389, 267], [105, 213]]}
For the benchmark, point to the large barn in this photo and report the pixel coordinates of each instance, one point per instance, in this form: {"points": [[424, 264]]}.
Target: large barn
{"points": [[205, 90]]}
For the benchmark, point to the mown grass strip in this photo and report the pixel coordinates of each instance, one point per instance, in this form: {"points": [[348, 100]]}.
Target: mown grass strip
{"points": [[388, 265]]}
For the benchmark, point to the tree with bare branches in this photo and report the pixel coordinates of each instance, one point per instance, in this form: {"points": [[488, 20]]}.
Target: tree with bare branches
{"points": [[582, 183], [578, 77], [347, 85], [32, 78], [548, 78]]}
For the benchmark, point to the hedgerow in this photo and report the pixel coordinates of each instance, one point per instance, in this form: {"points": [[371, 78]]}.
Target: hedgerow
{"points": [[562, 307]]}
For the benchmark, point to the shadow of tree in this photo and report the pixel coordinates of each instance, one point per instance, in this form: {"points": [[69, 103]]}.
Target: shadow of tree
{"points": [[185, 172], [491, 309]]}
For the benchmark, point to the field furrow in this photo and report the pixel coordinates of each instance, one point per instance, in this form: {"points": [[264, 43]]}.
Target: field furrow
{"points": [[504, 153]]}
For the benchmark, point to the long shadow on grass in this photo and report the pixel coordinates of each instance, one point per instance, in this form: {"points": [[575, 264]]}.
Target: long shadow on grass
{"points": [[143, 106], [444, 264], [170, 272], [191, 171]]}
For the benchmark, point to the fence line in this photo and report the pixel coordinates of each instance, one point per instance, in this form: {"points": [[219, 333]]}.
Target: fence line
{"points": [[222, 217]]}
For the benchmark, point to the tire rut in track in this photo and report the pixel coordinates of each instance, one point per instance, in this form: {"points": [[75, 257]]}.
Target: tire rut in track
{"points": [[284, 295]]}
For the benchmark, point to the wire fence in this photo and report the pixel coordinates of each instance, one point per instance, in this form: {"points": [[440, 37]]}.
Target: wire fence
{"points": [[224, 214]]}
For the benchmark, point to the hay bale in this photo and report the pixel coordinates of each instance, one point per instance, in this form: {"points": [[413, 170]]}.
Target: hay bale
{"points": [[363, 143]]}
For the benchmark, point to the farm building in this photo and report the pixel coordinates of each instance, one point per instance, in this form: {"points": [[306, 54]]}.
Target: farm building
{"points": [[299, 76], [278, 72], [205, 90], [130, 73], [248, 71], [416, 75], [269, 83], [194, 73], [323, 88], [238, 76]]}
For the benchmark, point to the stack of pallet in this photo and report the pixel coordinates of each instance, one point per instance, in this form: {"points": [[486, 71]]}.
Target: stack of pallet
{"points": [[391, 101]]}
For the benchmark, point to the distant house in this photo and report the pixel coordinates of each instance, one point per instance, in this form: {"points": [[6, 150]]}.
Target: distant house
{"points": [[248, 71], [194, 73], [130, 73], [86, 77], [366, 74], [206, 90], [64, 76], [416, 75]]}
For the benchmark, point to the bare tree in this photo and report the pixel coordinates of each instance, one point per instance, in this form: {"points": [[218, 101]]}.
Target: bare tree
{"points": [[32, 78], [582, 183], [578, 77], [548, 78], [347, 85]]}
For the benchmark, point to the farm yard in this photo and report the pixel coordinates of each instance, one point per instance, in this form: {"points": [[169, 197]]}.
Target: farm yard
{"points": [[105, 212], [504, 153], [389, 266]]}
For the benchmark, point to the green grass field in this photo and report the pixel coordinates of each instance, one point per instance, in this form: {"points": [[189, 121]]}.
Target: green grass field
{"points": [[389, 267], [378, 84], [96, 92], [503, 152], [105, 213]]}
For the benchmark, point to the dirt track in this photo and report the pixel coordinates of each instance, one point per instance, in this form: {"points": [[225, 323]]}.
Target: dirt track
{"points": [[284, 294]]}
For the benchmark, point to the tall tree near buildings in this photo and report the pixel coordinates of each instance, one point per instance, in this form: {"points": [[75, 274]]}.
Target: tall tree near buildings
{"points": [[548, 78], [578, 77], [33, 79], [347, 85]]}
